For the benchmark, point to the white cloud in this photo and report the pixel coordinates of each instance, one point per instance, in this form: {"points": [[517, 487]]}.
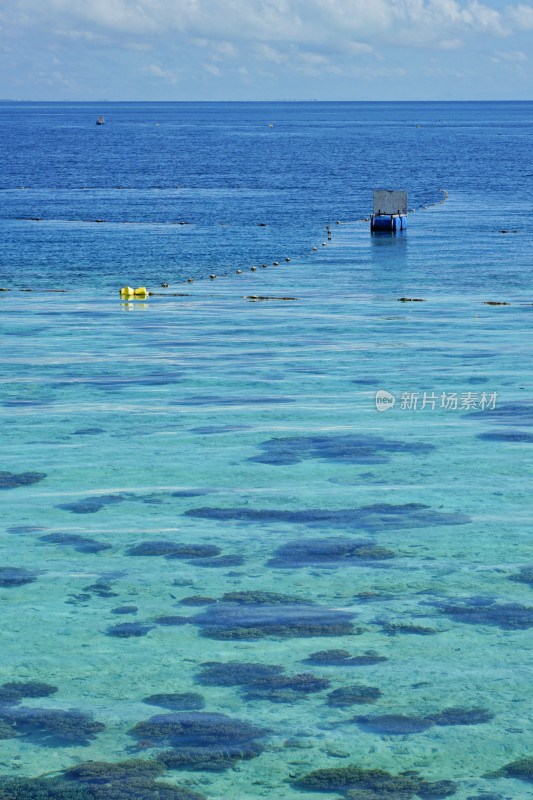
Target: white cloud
{"points": [[299, 21], [521, 16], [268, 53], [212, 70], [153, 71], [450, 44], [86, 36], [515, 55], [267, 40], [358, 48]]}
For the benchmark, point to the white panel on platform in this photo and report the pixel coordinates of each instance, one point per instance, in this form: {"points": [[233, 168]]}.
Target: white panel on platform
{"points": [[387, 202]]}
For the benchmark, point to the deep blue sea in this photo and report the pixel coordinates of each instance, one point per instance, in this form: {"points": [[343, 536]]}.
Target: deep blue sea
{"points": [[224, 559]]}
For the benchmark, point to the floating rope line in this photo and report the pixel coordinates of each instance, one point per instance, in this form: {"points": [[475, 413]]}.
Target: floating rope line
{"points": [[212, 276]]}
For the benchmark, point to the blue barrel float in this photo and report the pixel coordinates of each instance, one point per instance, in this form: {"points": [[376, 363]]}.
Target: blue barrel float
{"points": [[390, 211]]}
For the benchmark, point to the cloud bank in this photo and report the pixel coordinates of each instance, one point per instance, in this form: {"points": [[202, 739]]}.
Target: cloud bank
{"points": [[268, 46]]}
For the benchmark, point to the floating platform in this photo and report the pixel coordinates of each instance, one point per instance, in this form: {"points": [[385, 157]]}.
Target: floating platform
{"points": [[390, 211], [388, 222]]}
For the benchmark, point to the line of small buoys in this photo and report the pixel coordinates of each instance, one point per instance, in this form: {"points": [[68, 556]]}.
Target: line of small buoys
{"points": [[256, 297], [50, 291], [411, 300], [106, 221]]}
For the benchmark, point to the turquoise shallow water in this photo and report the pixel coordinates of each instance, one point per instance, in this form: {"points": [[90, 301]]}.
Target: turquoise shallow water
{"points": [[220, 440], [249, 424]]}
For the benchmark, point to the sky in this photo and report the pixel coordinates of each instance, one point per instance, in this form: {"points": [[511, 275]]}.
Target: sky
{"points": [[266, 50]]}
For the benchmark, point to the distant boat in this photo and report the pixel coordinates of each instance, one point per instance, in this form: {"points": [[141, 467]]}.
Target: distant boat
{"points": [[100, 120]]}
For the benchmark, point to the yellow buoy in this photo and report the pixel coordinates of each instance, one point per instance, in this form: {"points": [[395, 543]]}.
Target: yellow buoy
{"points": [[127, 290], [239, 272], [140, 292], [275, 263], [253, 269]]}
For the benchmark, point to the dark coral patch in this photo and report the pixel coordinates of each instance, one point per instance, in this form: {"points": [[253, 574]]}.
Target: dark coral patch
{"points": [[508, 616], [357, 783], [10, 480], [6, 732], [184, 701], [437, 789], [173, 620], [210, 759], [101, 588], [88, 431], [124, 610], [154, 548], [197, 600], [50, 726], [285, 688], [196, 729], [357, 694], [330, 552], [80, 543], [229, 621], [393, 628], [506, 436], [18, 529], [220, 561], [524, 576], [506, 414], [103, 771], [522, 769], [9, 697], [90, 505], [394, 724], [262, 598], [461, 716], [125, 780], [30, 688], [340, 448], [125, 630], [235, 673], [16, 576], [42, 789], [376, 517], [486, 796], [333, 658], [342, 658]]}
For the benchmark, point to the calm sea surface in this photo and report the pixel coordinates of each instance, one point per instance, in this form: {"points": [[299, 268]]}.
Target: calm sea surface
{"points": [[217, 554]]}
